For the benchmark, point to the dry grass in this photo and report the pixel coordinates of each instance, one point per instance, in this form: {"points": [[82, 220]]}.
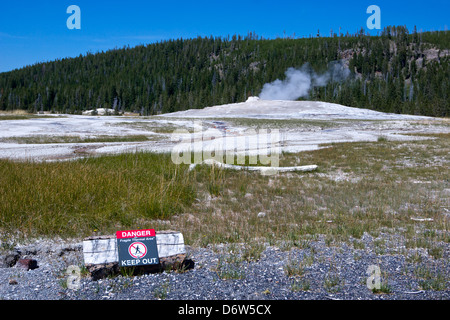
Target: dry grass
{"points": [[152, 126], [359, 188]]}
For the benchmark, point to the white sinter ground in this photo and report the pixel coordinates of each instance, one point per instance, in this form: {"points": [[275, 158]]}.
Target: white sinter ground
{"points": [[239, 127]]}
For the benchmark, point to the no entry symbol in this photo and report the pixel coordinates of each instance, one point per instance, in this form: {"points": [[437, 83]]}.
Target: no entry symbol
{"points": [[137, 250]]}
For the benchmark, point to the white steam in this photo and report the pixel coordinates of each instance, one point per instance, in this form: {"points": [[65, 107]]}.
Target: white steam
{"points": [[298, 82]]}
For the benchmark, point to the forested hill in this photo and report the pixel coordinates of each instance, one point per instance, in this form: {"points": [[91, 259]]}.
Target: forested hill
{"points": [[399, 71]]}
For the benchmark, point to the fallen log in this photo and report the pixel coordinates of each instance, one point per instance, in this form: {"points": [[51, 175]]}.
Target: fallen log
{"points": [[421, 219], [101, 255], [262, 170]]}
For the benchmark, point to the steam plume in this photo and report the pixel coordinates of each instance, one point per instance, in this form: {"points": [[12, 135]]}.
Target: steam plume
{"points": [[298, 82]]}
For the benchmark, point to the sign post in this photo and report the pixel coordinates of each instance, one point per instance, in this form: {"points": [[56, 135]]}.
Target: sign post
{"points": [[137, 248]]}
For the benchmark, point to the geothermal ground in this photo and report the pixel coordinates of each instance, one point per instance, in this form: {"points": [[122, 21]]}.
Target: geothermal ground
{"points": [[299, 125]]}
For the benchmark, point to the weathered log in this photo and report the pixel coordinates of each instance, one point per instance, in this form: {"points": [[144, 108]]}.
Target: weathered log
{"points": [[101, 255], [262, 170]]}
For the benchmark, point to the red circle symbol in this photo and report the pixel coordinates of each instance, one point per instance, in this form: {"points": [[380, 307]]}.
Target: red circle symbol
{"points": [[137, 250]]}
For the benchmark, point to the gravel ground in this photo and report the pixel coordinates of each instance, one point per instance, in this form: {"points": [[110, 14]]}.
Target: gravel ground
{"points": [[326, 272]]}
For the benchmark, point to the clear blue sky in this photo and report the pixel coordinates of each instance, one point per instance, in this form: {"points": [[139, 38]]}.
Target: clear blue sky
{"points": [[36, 31]]}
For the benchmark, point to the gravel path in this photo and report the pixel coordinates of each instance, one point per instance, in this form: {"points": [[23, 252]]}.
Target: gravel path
{"points": [[313, 271]]}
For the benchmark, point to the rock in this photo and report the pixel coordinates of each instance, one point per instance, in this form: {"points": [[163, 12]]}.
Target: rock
{"points": [[99, 111], [175, 262], [28, 264], [13, 282], [261, 215], [31, 250], [252, 99], [68, 248], [10, 259], [100, 271]]}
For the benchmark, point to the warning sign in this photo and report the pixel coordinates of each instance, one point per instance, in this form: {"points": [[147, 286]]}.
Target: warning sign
{"points": [[137, 248]]}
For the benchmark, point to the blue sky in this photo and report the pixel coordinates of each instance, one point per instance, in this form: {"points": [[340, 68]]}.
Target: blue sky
{"points": [[36, 31]]}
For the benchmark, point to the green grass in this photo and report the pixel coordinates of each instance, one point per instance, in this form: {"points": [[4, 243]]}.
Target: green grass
{"points": [[75, 139], [333, 282], [294, 268], [161, 292], [104, 194], [384, 289], [229, 267], [300, 285], [431, 279], [25, 116]]}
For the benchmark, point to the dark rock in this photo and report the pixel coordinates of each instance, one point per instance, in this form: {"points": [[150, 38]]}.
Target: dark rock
{"points": [[28, 264], [30, 250], [100, 271], [63, 250], [10, 259], [188, 264]]}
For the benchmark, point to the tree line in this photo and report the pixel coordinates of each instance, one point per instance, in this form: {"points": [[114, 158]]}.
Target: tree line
{"points": [[396, 71]]}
